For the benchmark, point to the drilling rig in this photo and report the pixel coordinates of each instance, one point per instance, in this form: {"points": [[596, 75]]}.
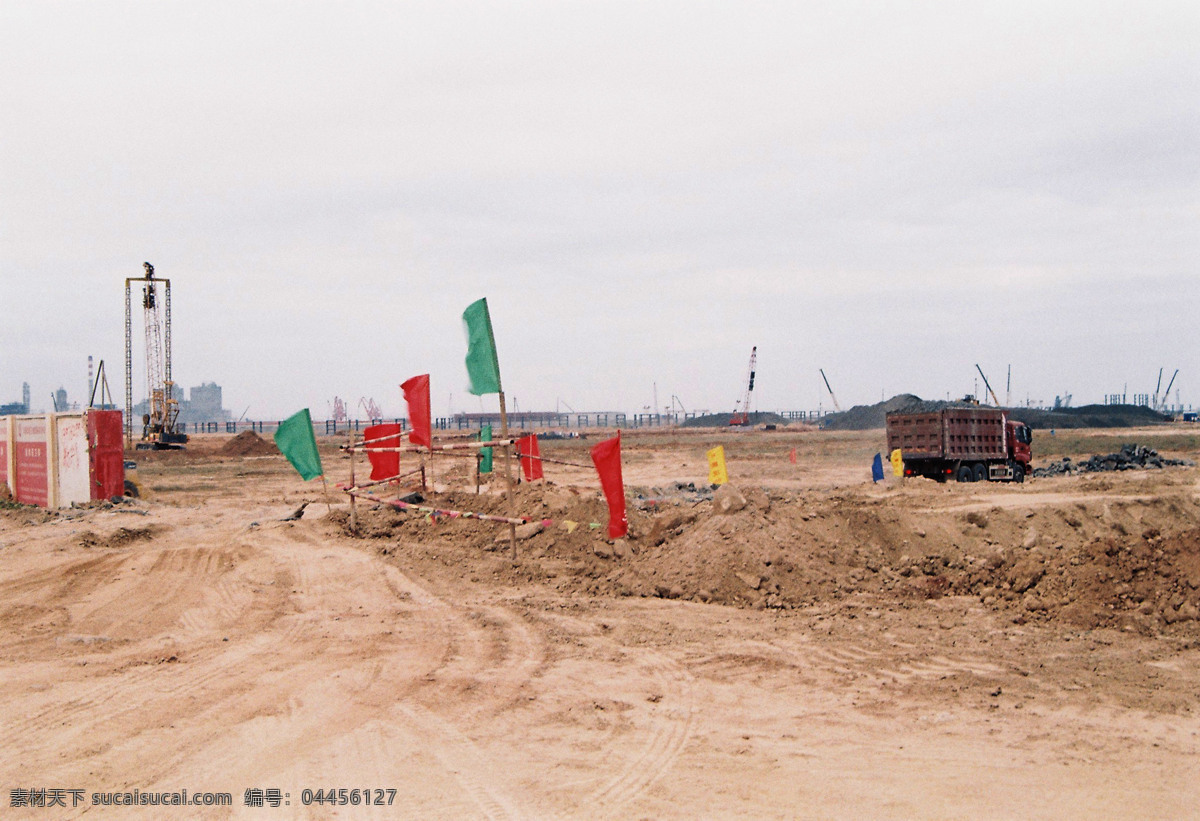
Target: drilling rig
{"points": [[742, 418], [159, 429]]}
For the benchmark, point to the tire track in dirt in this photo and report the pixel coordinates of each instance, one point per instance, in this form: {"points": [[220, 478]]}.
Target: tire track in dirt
{"points": [[365, 685], [459, 757], [901, 662], [670, 726], [127, 688], [176, 579], [491, 651], [113, 698]]}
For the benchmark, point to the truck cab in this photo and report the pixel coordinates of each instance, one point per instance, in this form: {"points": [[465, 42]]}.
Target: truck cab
{"points": [[1020, 442]]}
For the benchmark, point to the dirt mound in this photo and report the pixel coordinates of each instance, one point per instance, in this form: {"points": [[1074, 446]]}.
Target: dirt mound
{"points": [[572, 520], [248, 443], [870, 417], [118, 538], [1133, 564], [721, 420], [1090, 416]]}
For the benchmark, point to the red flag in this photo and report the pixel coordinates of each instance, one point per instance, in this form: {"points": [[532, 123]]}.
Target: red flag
{"points": [[387, 464], [416, 394], [606, 456], [793, 456], [530, 457]]}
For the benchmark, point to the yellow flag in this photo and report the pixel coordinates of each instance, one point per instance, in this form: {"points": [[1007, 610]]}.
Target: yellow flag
{"points": [[716, 466], [897, 463], [571, 525]]}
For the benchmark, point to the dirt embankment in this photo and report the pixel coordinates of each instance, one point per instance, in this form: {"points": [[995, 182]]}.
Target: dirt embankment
{"points": [[1091, 561]]}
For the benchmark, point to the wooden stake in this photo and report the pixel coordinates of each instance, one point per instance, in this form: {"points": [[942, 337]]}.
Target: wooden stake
{"points": [[353, 503], [328, 507], [512, 502]]}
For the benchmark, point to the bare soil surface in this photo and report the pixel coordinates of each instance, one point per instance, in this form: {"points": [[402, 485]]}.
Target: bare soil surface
{"points": [[806, 644]]}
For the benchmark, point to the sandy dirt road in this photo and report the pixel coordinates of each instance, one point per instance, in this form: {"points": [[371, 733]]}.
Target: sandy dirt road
{"points": [[196, 641]]}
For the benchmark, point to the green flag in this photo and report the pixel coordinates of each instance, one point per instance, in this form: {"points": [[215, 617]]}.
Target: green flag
{"points": [[485, 463], [482, 366], [296, 441]]}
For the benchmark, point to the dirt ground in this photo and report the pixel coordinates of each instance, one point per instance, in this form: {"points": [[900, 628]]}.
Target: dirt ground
{"points": [[821, 648]]}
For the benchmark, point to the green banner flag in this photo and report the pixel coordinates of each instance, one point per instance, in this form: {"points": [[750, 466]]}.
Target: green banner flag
{"points": [[485, 463], [483, 367], [296, 441]]}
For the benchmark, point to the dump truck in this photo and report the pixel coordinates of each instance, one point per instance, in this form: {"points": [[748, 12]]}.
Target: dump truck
{"points": [[970, 444]]}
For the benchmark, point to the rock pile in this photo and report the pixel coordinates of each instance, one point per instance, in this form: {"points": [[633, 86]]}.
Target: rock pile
{"points": [[1129, 457], [675, 493]]}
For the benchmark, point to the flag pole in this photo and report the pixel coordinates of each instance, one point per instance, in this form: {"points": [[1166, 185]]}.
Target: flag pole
{"points": [[328, 507]]}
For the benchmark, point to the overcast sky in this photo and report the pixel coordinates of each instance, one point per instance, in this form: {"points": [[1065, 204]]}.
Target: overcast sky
{"points": [[891, 191]]}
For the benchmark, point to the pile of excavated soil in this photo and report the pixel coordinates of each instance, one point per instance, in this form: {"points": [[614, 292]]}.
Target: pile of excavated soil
{"points": [[248, 443], [1129, 563], [869, 417], [721, 420]]}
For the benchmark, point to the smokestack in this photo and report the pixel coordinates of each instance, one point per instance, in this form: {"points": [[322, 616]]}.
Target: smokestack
{"points": [[91, 379]]}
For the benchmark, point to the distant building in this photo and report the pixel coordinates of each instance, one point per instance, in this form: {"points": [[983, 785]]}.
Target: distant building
{"points": [[17, 408], [204, 405]]}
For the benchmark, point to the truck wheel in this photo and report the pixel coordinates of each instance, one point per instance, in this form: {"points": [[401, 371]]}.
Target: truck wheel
{"points": [[980, 472], [1018, 472], [965, 474], [131, 489]]}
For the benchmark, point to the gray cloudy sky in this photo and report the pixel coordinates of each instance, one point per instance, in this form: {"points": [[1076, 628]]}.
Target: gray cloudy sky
{"points": [[891, 191]]}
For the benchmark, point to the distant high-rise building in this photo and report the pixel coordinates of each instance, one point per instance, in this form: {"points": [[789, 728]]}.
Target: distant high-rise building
{"points": [[203, 406], [17, 408]]}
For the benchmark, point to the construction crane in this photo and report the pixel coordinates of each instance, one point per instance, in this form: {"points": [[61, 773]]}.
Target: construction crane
{"points": [[159, 426], [836, 406], [1166, 397], [371, 407], [742, 418], [987, 385]]}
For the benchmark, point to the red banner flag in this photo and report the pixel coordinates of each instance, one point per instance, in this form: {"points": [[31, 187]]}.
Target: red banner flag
{"points": [[383, 465], [606, 456], [530, 457], [416, 394], [793, 456]]}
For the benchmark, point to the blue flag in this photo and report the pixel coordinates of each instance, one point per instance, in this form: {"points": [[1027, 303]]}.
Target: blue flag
{"points": [[877, 468]]}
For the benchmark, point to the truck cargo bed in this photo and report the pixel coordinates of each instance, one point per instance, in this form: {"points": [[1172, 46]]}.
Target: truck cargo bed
{"points": [[969, 434]]}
